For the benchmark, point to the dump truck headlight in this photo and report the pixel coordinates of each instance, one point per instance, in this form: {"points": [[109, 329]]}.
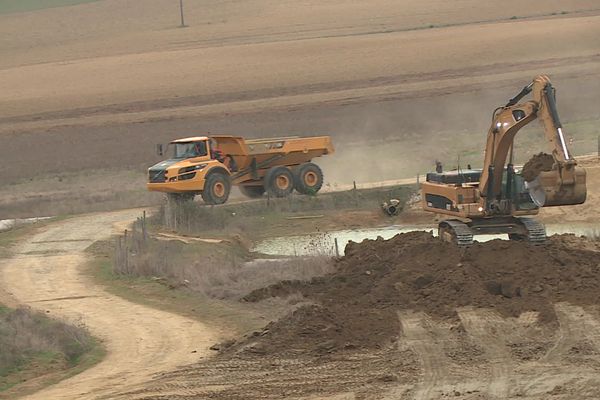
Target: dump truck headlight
{"points": [[191, 168]]}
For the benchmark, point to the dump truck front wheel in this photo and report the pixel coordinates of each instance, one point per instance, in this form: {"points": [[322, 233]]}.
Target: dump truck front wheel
{"points": [[279, 181], [253, 192], [216, 188], [308, 178]]}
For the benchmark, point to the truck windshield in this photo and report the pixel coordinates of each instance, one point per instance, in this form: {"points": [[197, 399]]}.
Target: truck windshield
{"points": [[189, 150]]}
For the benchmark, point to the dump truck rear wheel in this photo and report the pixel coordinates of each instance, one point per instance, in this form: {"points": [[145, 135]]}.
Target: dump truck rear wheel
{"points": [[308, 178], [279, 181], [253, 192], [216, 189]]}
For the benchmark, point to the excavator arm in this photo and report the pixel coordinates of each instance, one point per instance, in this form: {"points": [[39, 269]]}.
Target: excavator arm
{"points": [[564, 184]]}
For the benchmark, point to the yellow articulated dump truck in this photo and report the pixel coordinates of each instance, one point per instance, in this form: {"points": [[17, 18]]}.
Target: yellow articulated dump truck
{"points": [[210, 165]]}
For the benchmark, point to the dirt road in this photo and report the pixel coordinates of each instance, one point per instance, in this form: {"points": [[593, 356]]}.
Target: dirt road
{"points": [[46, 274]]}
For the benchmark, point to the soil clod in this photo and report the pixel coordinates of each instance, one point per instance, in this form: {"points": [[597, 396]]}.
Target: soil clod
{"points": [[416, 271]]}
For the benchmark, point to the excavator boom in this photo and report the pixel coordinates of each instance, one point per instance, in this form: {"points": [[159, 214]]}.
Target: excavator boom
{"points": [[564, 183], [496, 199]]}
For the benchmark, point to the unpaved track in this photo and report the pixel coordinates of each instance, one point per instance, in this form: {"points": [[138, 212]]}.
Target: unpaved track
{"points": [[46, 274]]}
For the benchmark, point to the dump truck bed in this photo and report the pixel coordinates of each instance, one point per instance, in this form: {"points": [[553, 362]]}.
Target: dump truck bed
{"points": [[260, 153]]}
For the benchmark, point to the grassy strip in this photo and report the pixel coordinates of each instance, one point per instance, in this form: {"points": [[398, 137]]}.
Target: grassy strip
{"points": [[157, 292], [267, 217], [36, 351], [15, 6], [9, 238]]}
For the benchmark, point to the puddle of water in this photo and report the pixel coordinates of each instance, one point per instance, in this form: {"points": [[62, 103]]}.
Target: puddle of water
{"points": [[6, 224], [324, 243]]}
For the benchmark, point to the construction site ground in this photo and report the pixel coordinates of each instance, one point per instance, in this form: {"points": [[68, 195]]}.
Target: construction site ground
{"points": [[397, 85]]}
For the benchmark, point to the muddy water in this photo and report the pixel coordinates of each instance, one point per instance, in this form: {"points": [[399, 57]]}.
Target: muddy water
{"points": [[6, 224], [324, 243]]}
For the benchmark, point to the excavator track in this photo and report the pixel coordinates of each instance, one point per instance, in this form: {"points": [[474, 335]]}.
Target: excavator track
{"points": [[536, 231], [462, 234]]}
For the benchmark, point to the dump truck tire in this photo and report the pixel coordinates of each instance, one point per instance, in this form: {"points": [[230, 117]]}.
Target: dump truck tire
{"points": [[308, 178], [279, 181], [216, 188], [254, 192]]}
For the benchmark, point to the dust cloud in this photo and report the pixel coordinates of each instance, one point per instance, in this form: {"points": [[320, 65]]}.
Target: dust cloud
{"points": [[402, 138]]}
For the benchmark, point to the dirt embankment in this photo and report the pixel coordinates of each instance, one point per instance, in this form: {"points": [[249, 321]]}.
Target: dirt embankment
{"points": [[356, 306]]}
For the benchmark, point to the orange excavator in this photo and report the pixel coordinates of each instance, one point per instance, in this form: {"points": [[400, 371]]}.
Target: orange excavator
{"points": [[498, 199]]}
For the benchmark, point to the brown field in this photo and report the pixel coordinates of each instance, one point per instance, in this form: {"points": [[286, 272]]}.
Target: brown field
{"points": [[87, 90]]}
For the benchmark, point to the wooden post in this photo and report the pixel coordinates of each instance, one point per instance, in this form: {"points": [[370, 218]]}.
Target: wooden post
{"points": [[181, 12], [117, 261], [144, 231], [337, 248]]}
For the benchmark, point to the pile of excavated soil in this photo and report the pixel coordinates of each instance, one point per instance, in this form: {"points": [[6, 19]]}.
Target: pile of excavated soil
{"points": [[356, 307], [538, 163]]}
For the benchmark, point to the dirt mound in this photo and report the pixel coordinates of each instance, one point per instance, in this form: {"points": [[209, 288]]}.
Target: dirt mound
{"points": [[356, 307], [538, 163]]}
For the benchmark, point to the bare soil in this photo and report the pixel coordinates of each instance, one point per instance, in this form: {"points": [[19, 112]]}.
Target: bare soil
{"points": [[89, 90], [416, 318], [538, 163], [420, 75], [47, 273], [415, 271]]}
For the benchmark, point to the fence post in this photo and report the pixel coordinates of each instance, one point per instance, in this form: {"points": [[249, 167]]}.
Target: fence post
{"points": [[144, 231], [117, 264]]}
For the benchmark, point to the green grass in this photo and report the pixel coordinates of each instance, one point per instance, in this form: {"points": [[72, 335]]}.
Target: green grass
{"points": [[266, 217], [24, 370], [15, 6], [37, 351], [11, 236]]}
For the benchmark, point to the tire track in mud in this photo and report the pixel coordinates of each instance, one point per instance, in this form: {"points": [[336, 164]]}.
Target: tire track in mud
{"points": [[439, 348], [578, 323], [485, 328], [560, 368], [435, 365]]}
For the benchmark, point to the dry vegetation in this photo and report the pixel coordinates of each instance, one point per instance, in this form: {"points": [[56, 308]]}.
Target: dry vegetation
{"points": [[223, 271], [254, 219], [32, 344]]}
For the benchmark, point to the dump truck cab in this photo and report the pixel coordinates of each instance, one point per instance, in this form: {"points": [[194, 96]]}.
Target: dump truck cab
{"points": [[210, 165], [191, 159]]}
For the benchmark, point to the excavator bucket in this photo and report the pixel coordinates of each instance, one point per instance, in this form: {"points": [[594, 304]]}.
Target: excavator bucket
{"points": [[559, 188]]}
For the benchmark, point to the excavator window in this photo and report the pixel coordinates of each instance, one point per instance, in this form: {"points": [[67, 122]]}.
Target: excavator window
{"points": [[518, 115]]}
